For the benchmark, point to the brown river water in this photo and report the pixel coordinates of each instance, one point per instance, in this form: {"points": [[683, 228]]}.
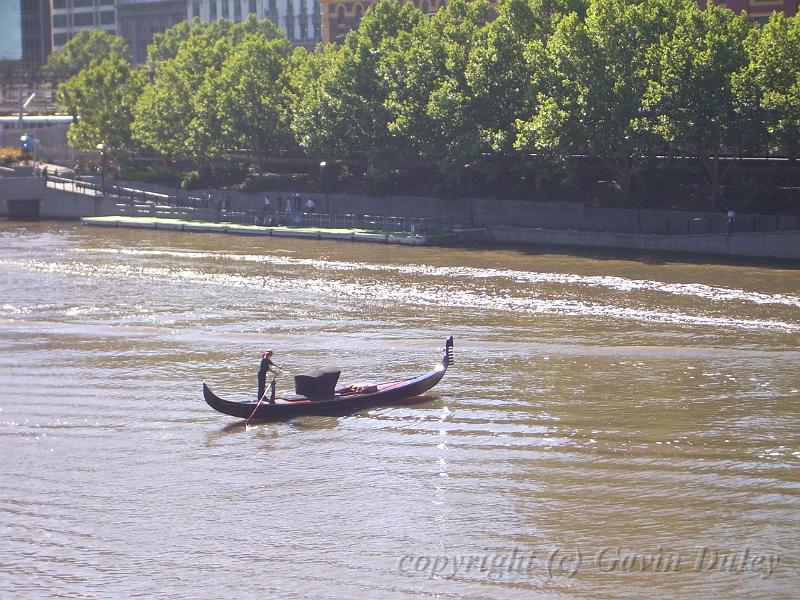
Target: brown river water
{"points": [[610, 429]]}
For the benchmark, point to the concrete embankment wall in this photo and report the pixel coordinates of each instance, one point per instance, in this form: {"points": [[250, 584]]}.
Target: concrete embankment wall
{"points": [[16, 190], [779, 244], [491, 212], [63, 204], [507, 221]]}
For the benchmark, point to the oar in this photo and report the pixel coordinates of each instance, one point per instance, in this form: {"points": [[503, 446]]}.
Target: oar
{"points": [[264, 395]]}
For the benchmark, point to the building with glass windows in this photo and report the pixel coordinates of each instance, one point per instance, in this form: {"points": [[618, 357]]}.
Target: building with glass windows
{"points": [[71, 16], [299, 19], [24, 47], [25, 32], [139, 20], [135, 20], [341, 16]]}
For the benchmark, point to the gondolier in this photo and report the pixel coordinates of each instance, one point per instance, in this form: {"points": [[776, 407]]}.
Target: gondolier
{"points": [[266, 366]]}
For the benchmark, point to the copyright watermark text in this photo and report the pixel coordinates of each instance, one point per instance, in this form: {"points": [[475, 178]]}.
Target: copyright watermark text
{"points": [[566, 562]]}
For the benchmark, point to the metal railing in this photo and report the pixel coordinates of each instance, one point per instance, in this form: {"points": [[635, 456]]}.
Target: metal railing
{"points": [[143, 203], [187, 206]]}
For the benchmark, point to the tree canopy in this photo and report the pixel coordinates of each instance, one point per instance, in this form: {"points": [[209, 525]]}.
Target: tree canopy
{"points": [[103, 94], [619, 82], [83, 50]]}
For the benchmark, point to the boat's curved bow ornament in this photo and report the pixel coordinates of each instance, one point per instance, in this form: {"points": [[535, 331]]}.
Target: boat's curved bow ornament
{"points": [[344, 400]]}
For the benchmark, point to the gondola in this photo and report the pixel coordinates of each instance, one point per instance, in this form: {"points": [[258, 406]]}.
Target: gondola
{"points": [[317, 394]]}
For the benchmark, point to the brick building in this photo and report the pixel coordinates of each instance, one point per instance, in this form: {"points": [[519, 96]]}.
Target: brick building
{"points": [[341, 16], [758, 10]]}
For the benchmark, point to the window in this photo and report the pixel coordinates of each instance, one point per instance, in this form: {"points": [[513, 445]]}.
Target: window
{"points": [[340, 17], [425, 8], [303, 27], [106, 2], [196, 8], [60, 39], [289, 20], [237, 11], [225, 12], [83, 19], [107, 17], [359, 14], [213, 10], [82, 3], [60, 21], [59, 3], [251, 8]]}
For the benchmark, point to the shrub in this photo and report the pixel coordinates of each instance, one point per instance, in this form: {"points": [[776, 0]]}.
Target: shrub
{"points": [[191, 180], [162, 176], [9, 154]]}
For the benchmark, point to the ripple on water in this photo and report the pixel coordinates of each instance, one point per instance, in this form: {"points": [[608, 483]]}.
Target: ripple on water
{"points": [[592, 405]]}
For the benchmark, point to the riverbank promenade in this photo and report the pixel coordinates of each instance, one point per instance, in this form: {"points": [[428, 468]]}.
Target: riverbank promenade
{"points": [[419, 220]]}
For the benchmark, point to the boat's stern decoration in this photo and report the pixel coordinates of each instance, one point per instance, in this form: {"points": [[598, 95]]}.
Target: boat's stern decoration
{"points": [[318, 384]]}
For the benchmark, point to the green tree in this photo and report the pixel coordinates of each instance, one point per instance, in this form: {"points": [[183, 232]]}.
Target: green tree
{"points": [[773, 75], [249, 99], [502, 65], [165, 44], [592, 90], [301, 79], [86, 47], [344, 115], [176, 114], [430, 101], [103, 94], [165, 116], [700, 109], [547, 149]]}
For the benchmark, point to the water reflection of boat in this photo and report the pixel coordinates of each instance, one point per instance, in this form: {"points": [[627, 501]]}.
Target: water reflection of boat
{"points": [[317, 394]]}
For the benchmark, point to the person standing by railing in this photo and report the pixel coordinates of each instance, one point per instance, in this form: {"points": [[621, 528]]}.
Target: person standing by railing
{"points": [[730, 221]]}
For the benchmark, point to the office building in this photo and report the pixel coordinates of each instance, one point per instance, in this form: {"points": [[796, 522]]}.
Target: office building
{"points": [[71, 16], [139, 20], [299, 19]]}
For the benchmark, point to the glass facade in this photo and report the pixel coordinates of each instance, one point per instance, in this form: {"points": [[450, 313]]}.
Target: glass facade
{"points": [[10, 30]]}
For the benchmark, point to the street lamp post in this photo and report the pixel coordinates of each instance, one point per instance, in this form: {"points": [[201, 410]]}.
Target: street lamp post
{"points": [[102, 149]]}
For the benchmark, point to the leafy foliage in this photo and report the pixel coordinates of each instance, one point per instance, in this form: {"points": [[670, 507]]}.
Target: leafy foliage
{"points": [[700, 110], [103, 94], [344, 112], [617, 81], [84, 49], [773, 76], [248, 99]]}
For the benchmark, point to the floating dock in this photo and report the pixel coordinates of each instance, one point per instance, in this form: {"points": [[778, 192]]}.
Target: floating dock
{"points": [[350, 235]]}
